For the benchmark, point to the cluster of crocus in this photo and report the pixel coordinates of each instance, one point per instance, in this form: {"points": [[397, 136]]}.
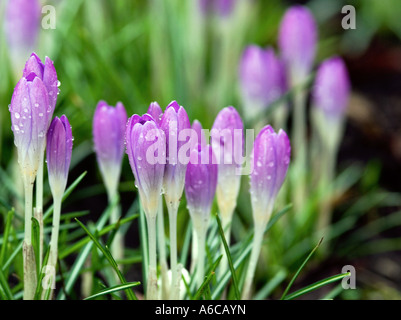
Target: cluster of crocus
{"points": [[168, 156], [32, 106]]}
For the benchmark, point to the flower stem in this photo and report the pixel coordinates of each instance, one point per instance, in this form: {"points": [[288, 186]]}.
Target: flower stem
{"points": [[175, 277], [30, 279], [55, 231], [257, 244], [151, 292], [200, 271], [162, 252]]}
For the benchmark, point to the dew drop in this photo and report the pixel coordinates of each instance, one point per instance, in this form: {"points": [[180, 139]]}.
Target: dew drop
{"points": [[17, 115], [269, 177], [26, 110], [259, 164], [271, 164], [36, 105], [16, 128], [58, 83], [41, 114], [139, 158], [50, 93]]}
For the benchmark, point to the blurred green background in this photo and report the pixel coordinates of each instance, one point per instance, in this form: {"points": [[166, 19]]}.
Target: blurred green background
{"points": [[138, 51]]}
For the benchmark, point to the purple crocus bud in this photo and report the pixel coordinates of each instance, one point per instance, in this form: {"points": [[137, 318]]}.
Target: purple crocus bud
{"points": [[227, 140], [58, 154], [146, 149], [270, 159], [224, 7], [262, 78], [29, 110], [109, 125], [176, 126], [201, 182], [155, 111], [332, 88], [199, 133], [22, 25], [297, 42], [47, 73]]}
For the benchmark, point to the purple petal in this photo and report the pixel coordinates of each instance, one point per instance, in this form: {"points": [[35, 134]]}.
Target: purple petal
{"points": [[155, 111]]}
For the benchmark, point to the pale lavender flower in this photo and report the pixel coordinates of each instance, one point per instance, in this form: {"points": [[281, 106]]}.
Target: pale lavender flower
{"points": [[58, 154], [155, 111], [297, 42], [146, 149], [176, 126], [227, 140], [199, 133], [270, 160], [109, 125], [331, 89]]}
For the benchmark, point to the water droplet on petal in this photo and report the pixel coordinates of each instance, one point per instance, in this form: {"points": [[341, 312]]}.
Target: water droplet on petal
{"points": [[271, 164], [26, 110], [269, 177], [41, 114], [259, 164], [17, 115], [36, 105]]}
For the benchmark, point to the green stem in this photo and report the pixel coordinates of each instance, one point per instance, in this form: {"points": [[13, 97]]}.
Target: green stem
{"points": [[256, 247], [175, 278], [55, 231], [162, 252], [151, 292], [39, 207], [200, 271]]}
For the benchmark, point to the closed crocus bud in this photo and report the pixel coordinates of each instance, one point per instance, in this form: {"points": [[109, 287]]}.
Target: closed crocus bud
{"points": [[200, 183], [109, 125], [176, 126], [224, 7], [332, 88], [146, 149], [330, 98], [270, 159], [30, 112], [58, 154], [297, 42], [22, 25], [262, 78], [47, 73], [155, 111], [227, 140]]}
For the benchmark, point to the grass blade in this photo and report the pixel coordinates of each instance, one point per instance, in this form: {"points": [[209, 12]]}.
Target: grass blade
{"points": [[6, 233], [109, 257], [230, 261], [113, 289], [300, 268], [5, 287], [205, 283], [317, 285]]}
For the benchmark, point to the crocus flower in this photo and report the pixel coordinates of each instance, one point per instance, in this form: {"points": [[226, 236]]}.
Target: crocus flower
{"points": [[297, 42], [200, 188], [30, 109], [262, 78], [270, 158], [332, 88], [58, 154], [221, 7], [175, 124], [146, 149], [227, 140], [22, 25], [109, 125]]}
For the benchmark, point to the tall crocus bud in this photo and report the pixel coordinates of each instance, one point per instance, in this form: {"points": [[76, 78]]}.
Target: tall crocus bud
{"points": [[223, 8], [58, 154], [200, 188], [330, 98], [155, 111], [30, 112], [109, 136], [227, 140], [176, 126], [22, 25], [146, 149], [297, 42], [270, 158], [262, 79]]}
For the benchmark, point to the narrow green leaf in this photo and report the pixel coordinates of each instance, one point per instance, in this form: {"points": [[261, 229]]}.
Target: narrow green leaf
{"points": [[300, 268], [271, 285], [144, 244], [5, 287], [39, 287], [6, 233], [109, 257], [209, 277], [317, 285], [36, 243], [113, 289], [228, 256]]}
